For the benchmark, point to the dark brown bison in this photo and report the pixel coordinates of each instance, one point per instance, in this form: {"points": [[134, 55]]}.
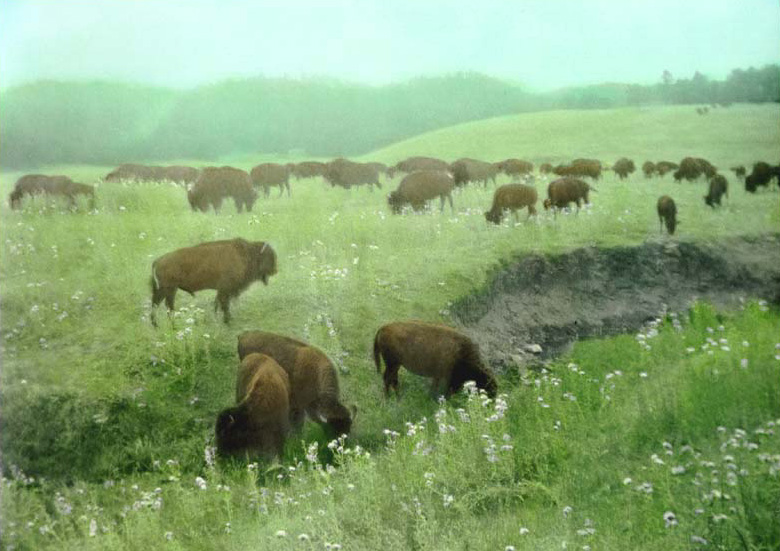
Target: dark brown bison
{"points": [[465, 171], [512, 197], [419, 187], [545, 168], [691, 168], [515, 167], [216, 183], [431, 350], [228, 266], [308, 169], [719, 186], [623, 167], [667, 213], [590, 168], [739, 171], [179, 174], [267, 175], [130, 172], [663, 167], [648, 168], [761, 175], [260, 421], [563, 191], [52, 186], [314, 382], [413, 164], [347, 174], [381, 168]]}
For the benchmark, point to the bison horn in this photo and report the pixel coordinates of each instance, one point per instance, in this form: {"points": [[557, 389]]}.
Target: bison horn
{"points": [[263, 247]]}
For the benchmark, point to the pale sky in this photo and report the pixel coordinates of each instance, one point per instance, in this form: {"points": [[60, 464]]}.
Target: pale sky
{"points": [[540, 43]]}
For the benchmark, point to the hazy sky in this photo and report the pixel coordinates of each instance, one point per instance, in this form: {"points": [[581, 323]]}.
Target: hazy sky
{"points": [[542, 43]]}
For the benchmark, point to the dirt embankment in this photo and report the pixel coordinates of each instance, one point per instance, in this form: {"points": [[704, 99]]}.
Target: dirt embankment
{"points": [[553, 301]]}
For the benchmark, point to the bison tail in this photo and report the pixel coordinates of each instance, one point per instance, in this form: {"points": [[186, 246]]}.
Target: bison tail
{"points": [[154, 281], [377, 358]]}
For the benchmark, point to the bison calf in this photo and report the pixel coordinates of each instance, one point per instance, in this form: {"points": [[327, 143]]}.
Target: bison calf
{"points": [[227, 266], [512, 197], [216, 183], [719, 186], [567, 190], [667, 213], [259, 422], [314, 383], [419, 187], [430, 350]]}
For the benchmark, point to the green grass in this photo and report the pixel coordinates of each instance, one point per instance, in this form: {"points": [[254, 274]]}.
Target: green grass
{"points": [[97, 394]]}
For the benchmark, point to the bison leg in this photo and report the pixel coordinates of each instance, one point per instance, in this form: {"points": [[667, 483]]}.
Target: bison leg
{"points": [[390, 375], [223, 301], [239, 204], [296, 419]]}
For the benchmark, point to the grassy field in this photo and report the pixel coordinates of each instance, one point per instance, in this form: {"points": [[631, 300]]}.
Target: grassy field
{"points": [[107, 419]]}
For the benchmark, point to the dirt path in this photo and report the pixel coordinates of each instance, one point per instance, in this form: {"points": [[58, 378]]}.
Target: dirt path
{"points": [[552, 301]]}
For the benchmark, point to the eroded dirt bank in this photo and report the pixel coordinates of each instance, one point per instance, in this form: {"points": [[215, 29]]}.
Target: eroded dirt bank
{"points": [[552, 301]]}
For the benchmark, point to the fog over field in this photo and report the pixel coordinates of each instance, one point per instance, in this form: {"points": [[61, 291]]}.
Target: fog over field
{"points": [[539, 43]]}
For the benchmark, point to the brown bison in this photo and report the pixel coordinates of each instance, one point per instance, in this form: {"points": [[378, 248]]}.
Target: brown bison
{"points": [[40, 184], [663, 167], [761, 175], [719, 186], [381, 168], [266, 175], [623, 167], [512, 197], [308, 169], [465, 171], [228, 266], [216, 183], [431, 350], [143, 173], [667, 213], [563, 191], [314, 383], [514, 167], [739, 171], [419, 187], [545, 168], [413, 164], [590, 168], [346, 174], [649, 168], [260, 421], [179, 174], [691, 168]]}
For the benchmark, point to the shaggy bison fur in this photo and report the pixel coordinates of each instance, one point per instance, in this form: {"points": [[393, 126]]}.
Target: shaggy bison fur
{"points": [[413, 164], [228, 266], [515, 167], [761, 175], [667, 213], [663, 167], [216, 183], [308, 169], [623, 167], [512, 197], [563, 191], [419, 187], [580, 168], [431, 350], [52, 186], [719, 186], [691, 168], [347, 174], [465, 171], [267, 175], [260, 421], [143, 173], [314, 383]]}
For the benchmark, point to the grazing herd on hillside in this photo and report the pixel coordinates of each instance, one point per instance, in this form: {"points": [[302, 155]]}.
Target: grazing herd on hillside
{"points": [[281, 380]]}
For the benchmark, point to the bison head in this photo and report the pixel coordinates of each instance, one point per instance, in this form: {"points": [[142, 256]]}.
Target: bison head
{"points": [[494, 217], [263, 261], [395, 202], [232, 431]]}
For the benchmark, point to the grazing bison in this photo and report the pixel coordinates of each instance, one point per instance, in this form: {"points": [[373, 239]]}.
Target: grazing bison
{"points": [[346, 173], [314, 383], [260, 421], [563, 191], [179, 174], [308, 169], [692, 167], [228, 266], [266, 175], [419, 187], [431, 350], [667, 213], [465, 171], [512, 197], [718, 187], [580, 168], [662, 167], [216, 183], [649, 168], [143, 173], [623, 167], [514, 167], [545, 168], [739, 171], [381, 168], [761, 175], [413, 164], [40, 184]]}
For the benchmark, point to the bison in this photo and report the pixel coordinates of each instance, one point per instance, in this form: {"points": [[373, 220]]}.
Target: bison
{"points": [[580, 168], [649, 168], [346, 173], [266, 175], [623, 167], [667, 213], [514, 167], [691, 168], [420, 187], [130, 172], [563, 191], [718, 187], [314, 383], [662, 167], [413, 164], [40, 184], [431, 350], [761, 175], [545, 168], [308, 169], [216, 183], [512, 197], [260, 421], [228, 266], [179, 174], [465, 171], [739, 171]]}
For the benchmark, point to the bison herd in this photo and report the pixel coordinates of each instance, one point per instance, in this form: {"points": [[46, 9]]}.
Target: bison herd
{"points": [[281, 380]]}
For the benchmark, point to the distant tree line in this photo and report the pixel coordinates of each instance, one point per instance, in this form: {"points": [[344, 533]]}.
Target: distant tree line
{"points": [[109, 123]]}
